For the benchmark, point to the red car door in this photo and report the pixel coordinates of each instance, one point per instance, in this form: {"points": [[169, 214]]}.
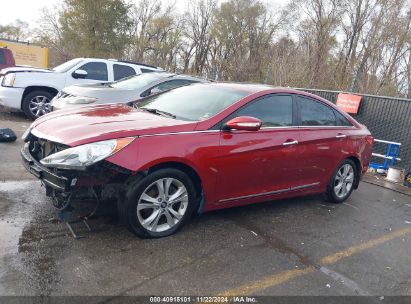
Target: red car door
{"points": [[253, 164], [322, 141]]}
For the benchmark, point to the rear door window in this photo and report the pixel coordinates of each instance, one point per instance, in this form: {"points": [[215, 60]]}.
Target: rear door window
{"points": [[143, 70], [315, 113], [341, 120], [95, 70], [122, 71], [167, 85]]}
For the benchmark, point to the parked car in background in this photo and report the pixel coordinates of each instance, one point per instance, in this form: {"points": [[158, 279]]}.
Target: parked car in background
{"points": [[122, 91], [198, 148], [32, 89], [6, 59]]}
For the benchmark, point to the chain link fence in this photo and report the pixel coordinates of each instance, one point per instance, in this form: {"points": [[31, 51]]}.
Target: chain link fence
{"points": [[387, 118]]}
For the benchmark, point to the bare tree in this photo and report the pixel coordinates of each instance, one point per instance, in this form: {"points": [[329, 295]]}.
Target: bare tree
{"points": [[355, 15], [198, 20], [362, 45], [49, 33]]}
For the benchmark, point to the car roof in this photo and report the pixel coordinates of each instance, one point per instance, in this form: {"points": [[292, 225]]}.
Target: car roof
{"points": [[249, 88], [189, 77], [158, 73], [252, 88], [144, 65]]}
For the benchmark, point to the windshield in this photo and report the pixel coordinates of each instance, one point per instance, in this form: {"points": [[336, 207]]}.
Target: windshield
{"points": [[137, 82], [62, 68], [195, 102]]}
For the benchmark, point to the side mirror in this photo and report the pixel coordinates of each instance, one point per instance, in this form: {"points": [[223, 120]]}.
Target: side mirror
{"points": [[245, 123], [79, 74]]}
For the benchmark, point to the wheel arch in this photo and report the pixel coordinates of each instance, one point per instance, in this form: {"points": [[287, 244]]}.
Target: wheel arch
{"points": [[190, 171], [30, 89], [358, 167]]}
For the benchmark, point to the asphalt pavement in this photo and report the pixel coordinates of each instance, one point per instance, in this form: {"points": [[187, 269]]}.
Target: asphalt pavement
{"points": [[302, 246]]}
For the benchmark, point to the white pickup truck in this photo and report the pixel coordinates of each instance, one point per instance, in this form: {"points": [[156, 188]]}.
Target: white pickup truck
{"points": [[31, 89]]}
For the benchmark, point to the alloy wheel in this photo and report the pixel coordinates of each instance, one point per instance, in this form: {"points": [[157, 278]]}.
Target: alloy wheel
{"points": [[162, 204], [39, 105], [344, 180]]}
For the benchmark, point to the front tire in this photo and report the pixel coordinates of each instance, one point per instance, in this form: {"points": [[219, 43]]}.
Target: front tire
{"points": [[342, 182], [36, 104], [159, 204]]}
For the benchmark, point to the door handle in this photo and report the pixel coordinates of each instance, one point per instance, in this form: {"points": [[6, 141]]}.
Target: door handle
{"points": [[289, 143], [340, 135]]}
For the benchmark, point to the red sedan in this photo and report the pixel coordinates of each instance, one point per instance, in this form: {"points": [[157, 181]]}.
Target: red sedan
{"points": [[198, 148]]}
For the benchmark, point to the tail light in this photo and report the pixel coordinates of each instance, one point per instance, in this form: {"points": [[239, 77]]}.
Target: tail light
{"points": [[369, 139]]}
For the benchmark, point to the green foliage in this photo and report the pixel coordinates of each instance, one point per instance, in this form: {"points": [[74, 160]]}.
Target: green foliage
{"points": [[244, 31], [14, 31], [95, 28], [360, 45]]}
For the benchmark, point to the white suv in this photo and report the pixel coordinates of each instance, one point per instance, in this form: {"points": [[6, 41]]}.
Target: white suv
{"points": [[32, 89]]}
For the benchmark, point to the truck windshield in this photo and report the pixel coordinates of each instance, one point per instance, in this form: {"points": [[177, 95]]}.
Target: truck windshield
{"points": [[62, 68]]}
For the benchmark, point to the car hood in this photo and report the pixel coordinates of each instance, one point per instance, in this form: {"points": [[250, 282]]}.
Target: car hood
{"points": [[24, 69], [96, 123], [103, 93]]}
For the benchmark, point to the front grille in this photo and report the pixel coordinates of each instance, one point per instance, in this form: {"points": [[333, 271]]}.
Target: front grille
{"points": [[63, 94], [40, 148], [66, 95]]}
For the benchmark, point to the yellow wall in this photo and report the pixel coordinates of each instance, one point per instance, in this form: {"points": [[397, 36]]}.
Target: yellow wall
{"points": [[27, 54]]}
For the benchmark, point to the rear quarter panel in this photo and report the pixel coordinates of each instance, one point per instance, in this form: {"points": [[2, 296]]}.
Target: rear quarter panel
{"points": [[356, 146], [363, 148]]}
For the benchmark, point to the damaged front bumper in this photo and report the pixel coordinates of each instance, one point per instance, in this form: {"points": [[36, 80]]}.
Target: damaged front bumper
{"points": [[99, 182], [108, 177], [49, 178]]}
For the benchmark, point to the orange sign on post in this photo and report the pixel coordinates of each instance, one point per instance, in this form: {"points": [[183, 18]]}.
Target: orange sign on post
{"points": [[348, 102]]}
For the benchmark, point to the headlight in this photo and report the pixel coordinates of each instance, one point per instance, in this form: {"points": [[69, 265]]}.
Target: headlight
{"points": [[80, 100], [53, 101], [85, 155], [8, 80]]}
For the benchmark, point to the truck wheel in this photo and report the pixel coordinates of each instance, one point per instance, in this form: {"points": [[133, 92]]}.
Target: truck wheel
{"points": [[37, 103], [159, 204]]}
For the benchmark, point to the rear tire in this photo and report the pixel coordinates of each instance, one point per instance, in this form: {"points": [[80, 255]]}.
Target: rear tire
{"points": [[159, 204], [342, 182], [37, 103]]}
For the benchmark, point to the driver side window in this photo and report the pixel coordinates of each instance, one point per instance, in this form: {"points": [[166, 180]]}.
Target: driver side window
{"points": [[272, 110], [95, 70]]}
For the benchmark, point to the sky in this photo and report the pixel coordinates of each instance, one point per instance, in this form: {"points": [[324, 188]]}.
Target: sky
{"points": [[29, 10], [25, 10]]}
